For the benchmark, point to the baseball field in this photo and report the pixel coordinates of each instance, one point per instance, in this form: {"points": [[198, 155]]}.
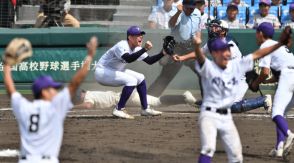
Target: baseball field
{"points": [[95, 136]]}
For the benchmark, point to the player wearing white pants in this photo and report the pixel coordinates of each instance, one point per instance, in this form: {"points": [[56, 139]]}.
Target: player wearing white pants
{"points": [[281, 62], [220, 80], [220, 28], [111, 70], [41, 121]]}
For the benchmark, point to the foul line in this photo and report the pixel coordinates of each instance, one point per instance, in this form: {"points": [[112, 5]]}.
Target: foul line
{"points": [[83, 115]]}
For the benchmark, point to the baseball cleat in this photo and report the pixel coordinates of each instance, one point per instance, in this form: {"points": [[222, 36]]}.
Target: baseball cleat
{"points": [[268, 104], [122, 114], [150, 112], [189, 98], [288, 145], [277, 152]]}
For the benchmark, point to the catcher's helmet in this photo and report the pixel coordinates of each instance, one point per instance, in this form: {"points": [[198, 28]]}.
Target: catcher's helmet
{"points": [[217, 27]]}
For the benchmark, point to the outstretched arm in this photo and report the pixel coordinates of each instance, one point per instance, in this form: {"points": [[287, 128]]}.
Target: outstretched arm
{"points": [[82, 73], [285, 38], [153, 59], [8, 81]]}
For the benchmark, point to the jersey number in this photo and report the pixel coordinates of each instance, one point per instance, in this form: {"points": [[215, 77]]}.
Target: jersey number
{"points": [[34, 123]]}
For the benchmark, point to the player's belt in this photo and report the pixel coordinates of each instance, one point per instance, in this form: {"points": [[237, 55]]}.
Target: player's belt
{"points": [[290, 67], [220, 111], [44, 157]]}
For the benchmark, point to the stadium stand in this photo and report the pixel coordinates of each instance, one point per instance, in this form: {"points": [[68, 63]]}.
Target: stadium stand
{"points": [[100, 13], [284, 13]]}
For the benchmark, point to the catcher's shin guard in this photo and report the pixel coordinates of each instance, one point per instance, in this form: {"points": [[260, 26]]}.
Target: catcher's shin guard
{"points": [[248, 104]]}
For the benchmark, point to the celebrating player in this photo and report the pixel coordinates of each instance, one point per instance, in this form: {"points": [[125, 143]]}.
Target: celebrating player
{"points": [[111, 71], [41, 121], [184, 24], [107, 99], [281, 62], [219, 28], [220, 79]]}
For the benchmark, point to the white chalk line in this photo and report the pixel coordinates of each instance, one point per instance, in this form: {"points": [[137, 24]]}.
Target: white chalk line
{"points": [[83, 115], [9, 153]]}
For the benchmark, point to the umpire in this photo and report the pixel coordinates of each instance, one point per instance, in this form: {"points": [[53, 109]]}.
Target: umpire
{"points": [[184, 25]]}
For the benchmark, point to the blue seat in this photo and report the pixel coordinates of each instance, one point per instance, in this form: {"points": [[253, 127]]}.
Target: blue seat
{"points": [[248, 2], [274, 10], [211, 11], [285, 13], [221, 12], [252, 11], [226, 2]]}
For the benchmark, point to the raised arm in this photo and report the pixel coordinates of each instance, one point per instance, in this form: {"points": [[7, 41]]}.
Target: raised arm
{"points": [[285, 38], [200, 56], [82, 73], [8, 81], [173, 20]]}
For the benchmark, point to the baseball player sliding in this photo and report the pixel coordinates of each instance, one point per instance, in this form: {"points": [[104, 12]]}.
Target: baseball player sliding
{"points": [[219, 28], [220, 79], [281, 62], [108, 99], [111, 71], [41, 121]]}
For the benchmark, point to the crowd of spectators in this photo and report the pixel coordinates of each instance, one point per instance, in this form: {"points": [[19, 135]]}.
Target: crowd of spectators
{"points": [[239, 14]]}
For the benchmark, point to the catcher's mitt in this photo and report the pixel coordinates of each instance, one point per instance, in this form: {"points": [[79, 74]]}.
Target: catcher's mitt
{"points": [[250, 77], [169, 45], [17, 50]]}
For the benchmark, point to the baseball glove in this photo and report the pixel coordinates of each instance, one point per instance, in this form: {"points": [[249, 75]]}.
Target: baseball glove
{"points": [[169, 44], [17, 50], [250, 77]]}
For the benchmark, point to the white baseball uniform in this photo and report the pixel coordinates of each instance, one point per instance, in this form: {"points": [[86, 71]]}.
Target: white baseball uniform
{"points": [[280, 60], [236, 54], [41, 126], [220, 86], [101, 99], [111, 71]]}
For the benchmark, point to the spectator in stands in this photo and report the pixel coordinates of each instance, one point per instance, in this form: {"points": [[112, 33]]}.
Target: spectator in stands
{"points": [[231, 19], [67, 19], [214, 3], [290, 22], [264, 16], [239, 3], [276, 2], [160, 16], [204, 16]]}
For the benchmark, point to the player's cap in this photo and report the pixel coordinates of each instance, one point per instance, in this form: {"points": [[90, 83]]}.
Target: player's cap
{"points": [[291, 7], [267, 29], [218, 44], [232, 6], [43, 82], [135, 30], [266, 2]]}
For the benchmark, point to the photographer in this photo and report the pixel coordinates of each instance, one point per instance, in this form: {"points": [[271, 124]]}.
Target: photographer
{"points": [[56, 12]]}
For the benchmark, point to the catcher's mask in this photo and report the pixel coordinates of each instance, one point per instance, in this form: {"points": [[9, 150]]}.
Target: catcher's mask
{"points": [[216, 28]]}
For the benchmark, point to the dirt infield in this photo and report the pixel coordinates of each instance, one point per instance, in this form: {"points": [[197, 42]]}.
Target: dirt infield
{"points": [[94, 136]]}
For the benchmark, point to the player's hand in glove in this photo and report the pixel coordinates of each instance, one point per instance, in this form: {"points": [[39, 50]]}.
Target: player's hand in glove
{"points": [[169, 44], [16, 51], [251, 76], [285, 37]]}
